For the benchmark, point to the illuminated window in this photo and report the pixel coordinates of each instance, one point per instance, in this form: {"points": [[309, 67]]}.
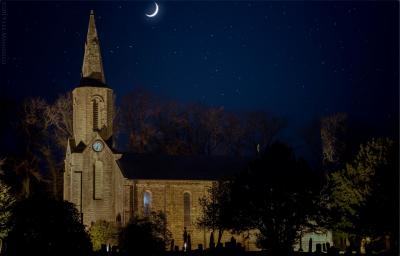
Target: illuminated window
{"points": [[186, 209], [146, 203]]}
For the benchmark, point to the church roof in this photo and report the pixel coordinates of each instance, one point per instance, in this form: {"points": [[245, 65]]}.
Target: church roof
{"points": [[148, 166], [76, 148], [92, 67], [82, 146]]}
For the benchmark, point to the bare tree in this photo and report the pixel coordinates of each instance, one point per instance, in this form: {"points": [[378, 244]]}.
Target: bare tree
{"points": [[137, 120], [261, 129], [34, 126], [234, 134], [59, 115], [46, 129], [333, 130], [152, 125]]}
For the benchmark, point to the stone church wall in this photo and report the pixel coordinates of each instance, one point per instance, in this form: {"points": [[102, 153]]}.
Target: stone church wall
{"points": [[83, 125], [168, 196]]}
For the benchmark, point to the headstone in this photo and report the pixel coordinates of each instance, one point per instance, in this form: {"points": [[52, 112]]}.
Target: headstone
{"points": [[189, 243], [362, 246], [212, 243], [318, 248], [387, 242], [233, 242]]}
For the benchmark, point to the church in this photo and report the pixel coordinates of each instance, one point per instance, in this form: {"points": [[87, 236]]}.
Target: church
{"points": [[105, 184]]}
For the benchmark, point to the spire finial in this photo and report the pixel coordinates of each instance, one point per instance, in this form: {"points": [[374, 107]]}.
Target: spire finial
{"points": [[92, 68]]}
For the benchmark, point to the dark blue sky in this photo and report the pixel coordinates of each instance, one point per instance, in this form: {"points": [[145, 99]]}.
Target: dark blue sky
{"points": [[299, 60]]}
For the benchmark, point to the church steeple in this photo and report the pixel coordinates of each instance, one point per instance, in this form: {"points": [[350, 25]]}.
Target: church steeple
{"points": [[92, 68], [92, 98]]}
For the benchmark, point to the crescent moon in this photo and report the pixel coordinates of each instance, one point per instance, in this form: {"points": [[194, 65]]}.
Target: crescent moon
{"points": [[154, 13]]}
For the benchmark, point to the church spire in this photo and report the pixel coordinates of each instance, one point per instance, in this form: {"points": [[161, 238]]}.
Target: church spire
{"points": [[92, 68]]}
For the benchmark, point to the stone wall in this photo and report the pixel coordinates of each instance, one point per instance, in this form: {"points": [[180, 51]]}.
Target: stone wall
{"points": [[80, 184], [167, 196], [83, 113]]}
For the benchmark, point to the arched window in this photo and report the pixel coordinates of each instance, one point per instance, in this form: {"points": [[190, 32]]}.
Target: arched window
{"points": [[95, 115], [99, 112], [146, 203], [118, 219], [98, 180], [186, 210]]}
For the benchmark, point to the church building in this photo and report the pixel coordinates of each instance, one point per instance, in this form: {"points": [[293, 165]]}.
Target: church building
{"points": [[105, 184]]}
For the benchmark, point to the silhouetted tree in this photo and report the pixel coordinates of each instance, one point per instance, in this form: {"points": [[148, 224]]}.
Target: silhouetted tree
{"points": [[145, 236], [216, 209], [47, 227], [278, 196]]}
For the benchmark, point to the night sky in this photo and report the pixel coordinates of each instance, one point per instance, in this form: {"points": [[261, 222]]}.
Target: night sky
{"points": [[298, 60]]}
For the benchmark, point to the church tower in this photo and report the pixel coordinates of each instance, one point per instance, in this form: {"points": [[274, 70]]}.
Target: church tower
{"points": [[91, 177], [92, 99]]}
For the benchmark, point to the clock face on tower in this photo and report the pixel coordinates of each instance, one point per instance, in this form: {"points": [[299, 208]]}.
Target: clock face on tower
{"points": [[97, 146]]}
